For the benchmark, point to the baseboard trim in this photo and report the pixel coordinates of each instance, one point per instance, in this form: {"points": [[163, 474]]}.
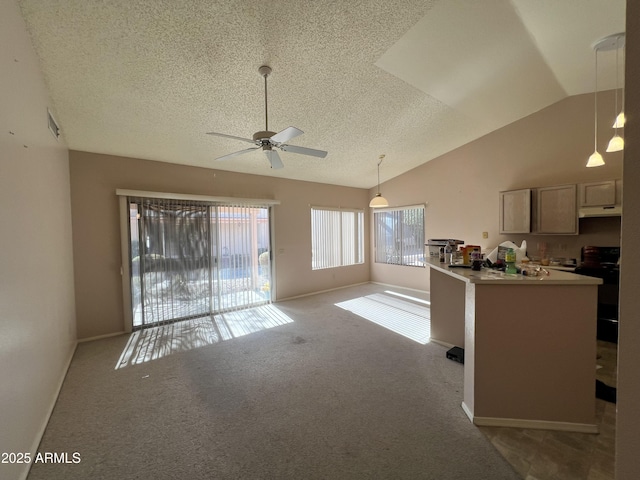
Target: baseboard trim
{"points": [[467, 412], [404, 288], [310, 294], [54, 399], [439, 342], [100, 337], [533, 424], [349, 286]]}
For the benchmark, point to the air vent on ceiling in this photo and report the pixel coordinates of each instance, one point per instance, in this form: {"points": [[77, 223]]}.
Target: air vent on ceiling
{"points": [[53, 126]]}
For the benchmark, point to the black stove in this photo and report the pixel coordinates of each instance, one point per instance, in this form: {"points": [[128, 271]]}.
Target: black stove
{"points": [[604, 263]]}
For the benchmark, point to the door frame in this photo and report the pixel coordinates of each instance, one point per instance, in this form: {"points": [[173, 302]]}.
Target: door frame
{"points": [[125, 266]]}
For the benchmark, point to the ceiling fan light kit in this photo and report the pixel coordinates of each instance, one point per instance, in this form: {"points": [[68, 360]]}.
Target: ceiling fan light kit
{"points": [[266, 140]]}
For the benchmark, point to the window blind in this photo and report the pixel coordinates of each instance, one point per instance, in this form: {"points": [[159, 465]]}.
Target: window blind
{"points": [[336, 237], [399, 236]]}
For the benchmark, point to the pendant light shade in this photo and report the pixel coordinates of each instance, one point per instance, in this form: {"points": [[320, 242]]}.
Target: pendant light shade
{"points": [[615, 144], [620, 119], [379, 201], [595, 160]]}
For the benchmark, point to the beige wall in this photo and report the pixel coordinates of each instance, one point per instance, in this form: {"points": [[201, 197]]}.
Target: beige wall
{"points": [[37, 295], [628, 419], [36, 272], [96, 231], [461, 188]]}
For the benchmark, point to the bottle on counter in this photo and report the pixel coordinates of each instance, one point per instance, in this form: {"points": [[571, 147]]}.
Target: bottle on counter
{"points": [[448, 254], [476, 261], [510, 260]]}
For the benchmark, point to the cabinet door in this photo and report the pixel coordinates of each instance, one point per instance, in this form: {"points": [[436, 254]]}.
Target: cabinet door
{"points": [[556, 211], [515, 211], [598, 194]]}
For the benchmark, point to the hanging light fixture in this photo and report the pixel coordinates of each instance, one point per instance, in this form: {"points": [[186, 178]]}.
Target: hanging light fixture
{"points": [[617, 142], [595, 160], [379, 201], [620, 119]]}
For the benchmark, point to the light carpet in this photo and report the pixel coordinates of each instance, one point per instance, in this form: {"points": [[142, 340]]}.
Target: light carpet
{"points": [[328, 395]]}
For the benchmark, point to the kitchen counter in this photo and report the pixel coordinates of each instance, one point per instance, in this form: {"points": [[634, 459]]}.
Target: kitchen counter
{"points": [[556, 276], [530, 345]]}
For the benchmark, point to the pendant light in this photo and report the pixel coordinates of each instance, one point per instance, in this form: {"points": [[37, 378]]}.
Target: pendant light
{"points": [[617, 142], [620, 119], [379, 201], [595, 160]]}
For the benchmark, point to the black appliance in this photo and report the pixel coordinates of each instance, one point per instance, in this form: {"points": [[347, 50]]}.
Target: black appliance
{"points": [[604, 263], [456, 354]]}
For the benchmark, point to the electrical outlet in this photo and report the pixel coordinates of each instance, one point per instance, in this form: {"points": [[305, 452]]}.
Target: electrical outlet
{"points": [[485, 234]]}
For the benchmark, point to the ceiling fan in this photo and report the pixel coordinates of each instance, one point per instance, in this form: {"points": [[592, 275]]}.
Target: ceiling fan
{"points": [[267, 140]]}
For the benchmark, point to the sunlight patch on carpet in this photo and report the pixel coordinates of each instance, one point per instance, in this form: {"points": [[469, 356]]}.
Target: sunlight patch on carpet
{"points": [[400, 316], [156, 342]]}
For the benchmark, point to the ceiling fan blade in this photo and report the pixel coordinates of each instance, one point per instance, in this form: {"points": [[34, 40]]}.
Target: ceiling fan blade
{"points": [[274, 158], [231, 136], [234, 154], [286, 135], [304, 150]]}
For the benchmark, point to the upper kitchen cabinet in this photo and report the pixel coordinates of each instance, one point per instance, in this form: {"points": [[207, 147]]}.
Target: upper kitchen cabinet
{"points": [[515, 211], [597, 194], [618, 192], [556, 210]]}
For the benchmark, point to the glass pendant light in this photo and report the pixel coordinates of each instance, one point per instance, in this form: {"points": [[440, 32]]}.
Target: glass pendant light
{"points": [[379, 201], [617, 142], [595, 160]]}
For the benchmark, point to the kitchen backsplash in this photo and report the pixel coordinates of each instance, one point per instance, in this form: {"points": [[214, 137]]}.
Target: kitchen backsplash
{"points": [[599, 231]]}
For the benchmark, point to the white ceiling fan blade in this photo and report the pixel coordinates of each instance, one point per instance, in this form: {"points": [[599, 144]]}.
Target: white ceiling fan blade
{"points": [[231, 136], [304, 150], [286, 135], [274, 158], [234, 154]]}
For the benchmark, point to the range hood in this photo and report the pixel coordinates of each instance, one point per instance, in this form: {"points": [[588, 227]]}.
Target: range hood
{"points": [[608, 211]]}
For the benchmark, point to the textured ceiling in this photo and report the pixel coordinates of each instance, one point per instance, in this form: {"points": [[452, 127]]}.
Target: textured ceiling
{"points": [[407, 78]]}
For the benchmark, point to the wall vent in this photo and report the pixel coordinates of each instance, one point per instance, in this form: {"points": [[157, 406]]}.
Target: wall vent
{"points": [[53, 126]]}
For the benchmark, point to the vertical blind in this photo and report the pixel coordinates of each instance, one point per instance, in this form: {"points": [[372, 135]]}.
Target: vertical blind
{"points": [[190, 259], [336, 237], [399, 236]]}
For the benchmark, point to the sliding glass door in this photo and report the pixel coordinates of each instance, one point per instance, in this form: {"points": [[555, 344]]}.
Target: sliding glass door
{"points": [[242, 273], [192, 259]]}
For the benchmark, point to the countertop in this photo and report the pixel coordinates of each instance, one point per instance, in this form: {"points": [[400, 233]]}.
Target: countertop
{"points": [[488, 276]]}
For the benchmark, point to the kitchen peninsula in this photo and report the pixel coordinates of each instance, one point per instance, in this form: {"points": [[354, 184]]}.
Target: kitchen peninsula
{"points": [[530, 345]]}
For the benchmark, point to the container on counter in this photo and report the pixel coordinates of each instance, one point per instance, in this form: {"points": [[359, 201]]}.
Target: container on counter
{"points": [[434, 244]]}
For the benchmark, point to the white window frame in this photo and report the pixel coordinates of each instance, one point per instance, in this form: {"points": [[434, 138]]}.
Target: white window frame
{"points": [[331, 245]]}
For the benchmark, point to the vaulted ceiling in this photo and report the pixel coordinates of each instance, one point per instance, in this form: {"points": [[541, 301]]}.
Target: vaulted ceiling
{"points": [[412, 79]]}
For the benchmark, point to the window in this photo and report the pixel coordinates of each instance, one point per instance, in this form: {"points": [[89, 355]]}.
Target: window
{"points": [[336, 237], [399, 236]]}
